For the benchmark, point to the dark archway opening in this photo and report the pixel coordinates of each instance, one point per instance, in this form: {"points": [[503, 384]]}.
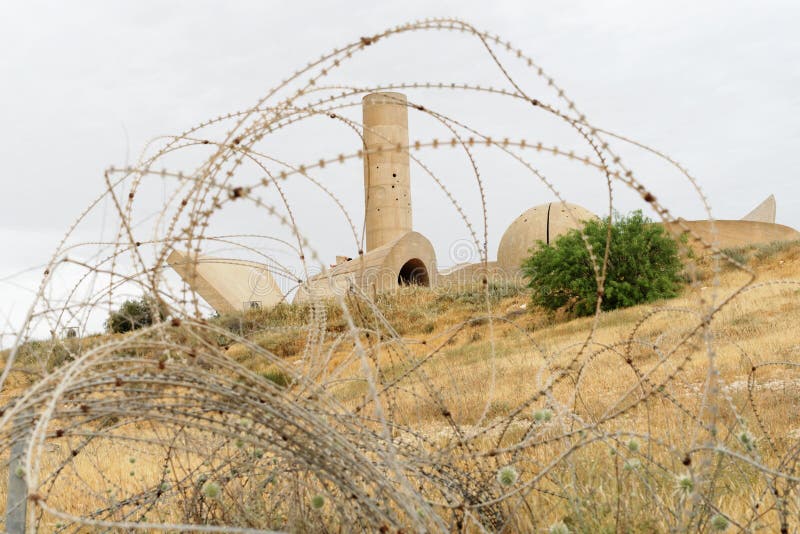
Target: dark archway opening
{"points": [[413, 273]]}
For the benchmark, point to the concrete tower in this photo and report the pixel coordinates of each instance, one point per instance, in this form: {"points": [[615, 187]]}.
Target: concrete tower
{"points": [[387, 186]]}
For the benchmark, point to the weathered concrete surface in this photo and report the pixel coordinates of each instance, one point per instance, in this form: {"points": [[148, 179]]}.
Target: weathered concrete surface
{"points": [[227, 284], [764, 212], [387, 184], [395, 254], [540, 223], [471, 275], [735, 233], [376, 271]]}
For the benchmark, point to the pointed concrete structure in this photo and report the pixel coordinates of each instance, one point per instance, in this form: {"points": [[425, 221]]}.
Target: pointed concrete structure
{"points": [[228, 285], [394, 255], [764, 212]]}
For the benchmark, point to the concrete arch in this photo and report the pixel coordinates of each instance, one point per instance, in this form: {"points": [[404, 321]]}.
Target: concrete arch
{"points": [[377, 271], [413, 273]]}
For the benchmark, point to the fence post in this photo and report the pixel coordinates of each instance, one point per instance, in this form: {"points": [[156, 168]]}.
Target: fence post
{"points": [[17, 495]]}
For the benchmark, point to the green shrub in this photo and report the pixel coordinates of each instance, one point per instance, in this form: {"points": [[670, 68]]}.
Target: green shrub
{"points": [[281, 315], [278, 377], [135, 314], [740, 254], [767, 250], [475, 295], [282, 343], [643, 266]]}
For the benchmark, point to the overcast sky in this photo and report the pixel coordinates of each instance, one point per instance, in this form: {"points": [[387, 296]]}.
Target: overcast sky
{"points": [[85, 84]]}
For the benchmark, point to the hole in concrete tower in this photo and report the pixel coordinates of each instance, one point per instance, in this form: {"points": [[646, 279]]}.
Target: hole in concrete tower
{"points": [[413, 273]]}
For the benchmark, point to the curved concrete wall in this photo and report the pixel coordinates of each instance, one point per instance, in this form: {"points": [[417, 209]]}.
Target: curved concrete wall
{"points": [[736, 233], [387, 184], [374, 272], [471, 274], [394, 251]]}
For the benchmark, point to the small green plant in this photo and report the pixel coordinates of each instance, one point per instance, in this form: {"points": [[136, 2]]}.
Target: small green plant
{"points": [[135, 314], [632, 464], [747, 441], [282, 343], [684, 483], [643, 266], [211, 490], [542, 416], [279, 378], [767, 250], [719, 523], [738, 254], [507, 476], [476, 294], [317, 502]]}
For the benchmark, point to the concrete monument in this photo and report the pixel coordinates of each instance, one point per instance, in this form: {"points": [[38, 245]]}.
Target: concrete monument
{"points": [[396, 255]]}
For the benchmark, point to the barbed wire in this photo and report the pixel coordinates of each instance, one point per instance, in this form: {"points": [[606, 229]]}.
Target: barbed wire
{"points": [[360, 426]]}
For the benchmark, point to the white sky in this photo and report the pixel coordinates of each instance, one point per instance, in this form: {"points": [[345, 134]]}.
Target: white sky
{"points": [[85, 84]]}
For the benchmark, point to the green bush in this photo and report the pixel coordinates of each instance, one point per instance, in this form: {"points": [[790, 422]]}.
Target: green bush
{"points": [[135, 314], [282, 343], [278, 377], [475, 295], [643, 266], [768, 250], [740, 254]]}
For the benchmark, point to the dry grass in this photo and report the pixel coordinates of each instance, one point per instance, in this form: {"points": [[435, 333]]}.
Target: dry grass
{"points": [[486, 371], [418, 411]]}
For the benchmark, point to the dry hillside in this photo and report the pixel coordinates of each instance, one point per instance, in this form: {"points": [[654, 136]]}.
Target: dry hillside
{"points": [[635, 420]]}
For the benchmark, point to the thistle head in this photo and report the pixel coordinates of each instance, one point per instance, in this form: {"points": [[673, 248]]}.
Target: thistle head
{"points": [[631, 464], [317, 502], [747, 440], [507, 476], [719, 522], [684, 483], [211, 490]]}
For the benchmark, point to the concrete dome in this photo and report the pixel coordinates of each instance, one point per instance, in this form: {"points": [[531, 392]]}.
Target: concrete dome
{"points": [[545, 222]]}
